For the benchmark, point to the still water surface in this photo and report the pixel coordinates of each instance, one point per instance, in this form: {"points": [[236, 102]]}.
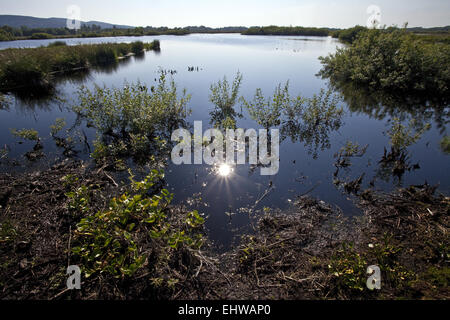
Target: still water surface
{"points": [[264, 61]]}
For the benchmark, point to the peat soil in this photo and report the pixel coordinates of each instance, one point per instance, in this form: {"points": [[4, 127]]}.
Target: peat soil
{"points": [[311, 251]]}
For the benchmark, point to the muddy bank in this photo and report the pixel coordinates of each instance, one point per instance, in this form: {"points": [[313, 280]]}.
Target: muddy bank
{"points": [[310, 251]]}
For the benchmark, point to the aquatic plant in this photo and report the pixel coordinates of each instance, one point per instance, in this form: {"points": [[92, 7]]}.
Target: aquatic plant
{"points": [[133, 121], [267, 112], [445, 144], [58, 43], [37, 67], [224, 98], [26, 134]]}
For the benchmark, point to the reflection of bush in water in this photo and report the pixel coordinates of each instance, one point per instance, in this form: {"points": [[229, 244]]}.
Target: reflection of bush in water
{"points": [[308, 120], [396, 161], [392, 72], [131, 121], [379, 104]]}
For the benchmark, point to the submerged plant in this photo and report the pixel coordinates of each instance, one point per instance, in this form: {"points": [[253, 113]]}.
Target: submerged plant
{"points": [[445, 144], [311, 120], [224, 98], [130, 119], [267, 112], [26, 134], [59, 124]]}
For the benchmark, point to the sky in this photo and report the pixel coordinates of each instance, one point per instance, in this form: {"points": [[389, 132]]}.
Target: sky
{"points": [[212, 13]]}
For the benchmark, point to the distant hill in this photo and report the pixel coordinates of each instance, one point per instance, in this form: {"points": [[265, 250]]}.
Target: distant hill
{"points": [[435, 29], [33, 22]]}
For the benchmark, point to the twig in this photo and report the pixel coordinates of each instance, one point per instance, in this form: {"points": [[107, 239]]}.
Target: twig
{"points": [[68, 248], [110, 178]]}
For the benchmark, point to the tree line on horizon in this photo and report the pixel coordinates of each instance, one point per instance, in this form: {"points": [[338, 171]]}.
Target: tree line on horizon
{"points": [[8, 33]]}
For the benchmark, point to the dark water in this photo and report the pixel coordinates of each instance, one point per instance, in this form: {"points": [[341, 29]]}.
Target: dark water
{"points": [[264, 62]]}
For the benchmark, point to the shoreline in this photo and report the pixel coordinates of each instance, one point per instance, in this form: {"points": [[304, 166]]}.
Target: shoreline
{"points": [[304, 253]]}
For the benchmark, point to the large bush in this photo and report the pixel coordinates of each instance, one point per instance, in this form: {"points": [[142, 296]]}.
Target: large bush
{"points": [[391, 60]]}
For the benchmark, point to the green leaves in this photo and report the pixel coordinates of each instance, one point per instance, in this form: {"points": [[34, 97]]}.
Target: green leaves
{"points": [[224, 99], [26, 134], [59, 124], [115, 240], [133, 121], [78, 199], [194, 220], [391, 60], [267, 112]]}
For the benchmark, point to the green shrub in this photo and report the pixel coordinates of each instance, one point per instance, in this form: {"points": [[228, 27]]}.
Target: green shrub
{"points": [[36, 67], [224, 98], [5, 36], [119, 240], [131, 119], [137, 47], [41, 35], [391, 60], [401, 136], [349, 35], [267, 113], [348, 269]]}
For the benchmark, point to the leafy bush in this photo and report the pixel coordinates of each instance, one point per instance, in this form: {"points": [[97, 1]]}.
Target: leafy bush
{"points": [[6, 36], [445, 144], [309, 120], [349, 35], [119, 240], [391, 60], [41, 35], [32, 67], [224, 99], [57, 44], [267, 113], [401, 136], [133, 121], [137, 47]]}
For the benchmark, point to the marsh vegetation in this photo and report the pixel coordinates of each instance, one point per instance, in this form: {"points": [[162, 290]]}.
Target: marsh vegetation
{"points": [[118, 217]]}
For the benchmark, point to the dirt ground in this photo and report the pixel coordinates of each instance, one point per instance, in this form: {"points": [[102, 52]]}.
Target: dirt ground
{"points": [[308, 252]]}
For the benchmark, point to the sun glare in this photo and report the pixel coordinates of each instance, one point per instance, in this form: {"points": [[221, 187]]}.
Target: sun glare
{"points": [[224, 170]]}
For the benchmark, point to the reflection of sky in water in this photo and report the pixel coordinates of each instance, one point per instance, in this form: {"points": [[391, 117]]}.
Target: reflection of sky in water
{"points": [[264, 62]]}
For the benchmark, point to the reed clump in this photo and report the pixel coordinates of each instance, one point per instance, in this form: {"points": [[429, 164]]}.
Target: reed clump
{"points": [[35, 67]]}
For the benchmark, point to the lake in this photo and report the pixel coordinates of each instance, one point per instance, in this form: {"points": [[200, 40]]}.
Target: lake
{"points": [[306, 167]]}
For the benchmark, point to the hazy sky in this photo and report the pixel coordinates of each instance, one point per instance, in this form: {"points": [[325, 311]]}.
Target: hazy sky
{"points": [[342, 13]]}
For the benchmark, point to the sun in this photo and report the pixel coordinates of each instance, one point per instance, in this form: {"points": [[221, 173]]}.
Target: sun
{"points": [[224, 170]]}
